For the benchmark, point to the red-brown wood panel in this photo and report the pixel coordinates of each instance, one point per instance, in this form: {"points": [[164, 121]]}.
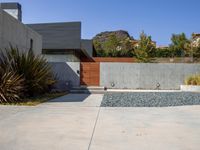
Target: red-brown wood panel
{"points": [[90, 73]]}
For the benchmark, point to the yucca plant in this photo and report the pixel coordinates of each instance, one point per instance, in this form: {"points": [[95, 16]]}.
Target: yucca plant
{"points": [[11, 86], [33, 68]]}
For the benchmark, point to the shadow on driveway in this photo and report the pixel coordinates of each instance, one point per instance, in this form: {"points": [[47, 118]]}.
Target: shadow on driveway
{"points": [[71, 98]]}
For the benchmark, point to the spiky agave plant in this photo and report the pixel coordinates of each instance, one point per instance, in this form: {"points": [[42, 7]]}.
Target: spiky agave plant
{"points": [[11, 86], [33, 68]]}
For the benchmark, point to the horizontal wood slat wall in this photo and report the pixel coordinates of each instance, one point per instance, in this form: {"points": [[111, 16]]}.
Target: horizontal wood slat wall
{"points": [[90, 72]]}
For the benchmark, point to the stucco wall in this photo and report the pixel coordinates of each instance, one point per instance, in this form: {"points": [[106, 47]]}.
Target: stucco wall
{"points": [[145, 76], [67, 74], [17, 34]]}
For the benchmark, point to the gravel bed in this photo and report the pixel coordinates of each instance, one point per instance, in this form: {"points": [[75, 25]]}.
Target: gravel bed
{"points": [[150, 99]]}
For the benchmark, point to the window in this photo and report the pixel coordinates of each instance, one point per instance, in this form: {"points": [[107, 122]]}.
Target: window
{"points": [[31, 44]]}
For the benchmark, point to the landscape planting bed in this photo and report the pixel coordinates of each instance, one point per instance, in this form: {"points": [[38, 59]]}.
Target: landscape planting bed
{"points": [[150, 99]]}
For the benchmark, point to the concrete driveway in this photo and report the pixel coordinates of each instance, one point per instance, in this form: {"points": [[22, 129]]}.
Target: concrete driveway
{"points": [[76, 122]]}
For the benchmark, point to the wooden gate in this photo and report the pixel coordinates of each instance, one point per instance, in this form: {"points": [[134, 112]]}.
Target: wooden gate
{"points": [[89, 73]]}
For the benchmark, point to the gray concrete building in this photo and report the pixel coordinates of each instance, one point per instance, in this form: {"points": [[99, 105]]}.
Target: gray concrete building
{"points": [[59, 43], [63, 48], [14, 32], [62, 41]]}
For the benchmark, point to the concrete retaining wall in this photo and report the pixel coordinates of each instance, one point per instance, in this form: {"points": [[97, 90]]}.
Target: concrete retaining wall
{"points": [[145, 76], [67, 74]]}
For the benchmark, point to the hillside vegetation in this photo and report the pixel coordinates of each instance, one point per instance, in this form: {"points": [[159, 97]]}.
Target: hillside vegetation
{"points": [[121, 44]]}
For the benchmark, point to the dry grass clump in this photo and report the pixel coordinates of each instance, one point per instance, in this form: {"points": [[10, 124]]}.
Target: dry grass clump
{"points": [[193, 80]]}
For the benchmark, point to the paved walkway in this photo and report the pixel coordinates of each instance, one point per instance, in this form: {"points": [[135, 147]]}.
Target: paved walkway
{"points": [[76, 122]]}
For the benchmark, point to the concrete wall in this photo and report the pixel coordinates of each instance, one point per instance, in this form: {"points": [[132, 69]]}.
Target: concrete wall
{"points": [[145, 76], [61, 58], [67, 74], [17, 34]]}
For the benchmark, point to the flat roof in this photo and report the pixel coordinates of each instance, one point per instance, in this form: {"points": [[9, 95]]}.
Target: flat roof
{"points": [[10, 5]]}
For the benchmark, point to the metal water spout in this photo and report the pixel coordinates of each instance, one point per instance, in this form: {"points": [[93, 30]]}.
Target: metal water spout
{"points": [[157, 86]]}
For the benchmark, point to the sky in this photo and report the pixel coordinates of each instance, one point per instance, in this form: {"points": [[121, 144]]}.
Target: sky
{"points": [[158, 18]]}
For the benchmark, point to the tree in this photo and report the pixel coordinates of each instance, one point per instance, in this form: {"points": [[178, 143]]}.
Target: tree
{"points": [[180, 45], [196, 51], [99, 50], [112, 46], [162, 52], [126, 47], [145, 48]]}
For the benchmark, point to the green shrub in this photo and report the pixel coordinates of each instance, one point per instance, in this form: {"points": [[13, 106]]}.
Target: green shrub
{"points": [[34, 69], [162, 52], [193, 80]]}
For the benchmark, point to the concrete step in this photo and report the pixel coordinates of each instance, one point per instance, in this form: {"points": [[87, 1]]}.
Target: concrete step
{"points": [[88, 89]]}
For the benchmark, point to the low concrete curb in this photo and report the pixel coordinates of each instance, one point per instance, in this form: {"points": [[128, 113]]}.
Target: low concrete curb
{"points": [[133, 90], [190, 88]]}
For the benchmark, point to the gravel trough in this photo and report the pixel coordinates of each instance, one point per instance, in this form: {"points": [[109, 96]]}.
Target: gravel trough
{"points": [[150, 99]]}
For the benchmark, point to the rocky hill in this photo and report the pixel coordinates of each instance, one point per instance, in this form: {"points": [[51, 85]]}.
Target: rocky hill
{"points": [[113, 43], [103, 36]]}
